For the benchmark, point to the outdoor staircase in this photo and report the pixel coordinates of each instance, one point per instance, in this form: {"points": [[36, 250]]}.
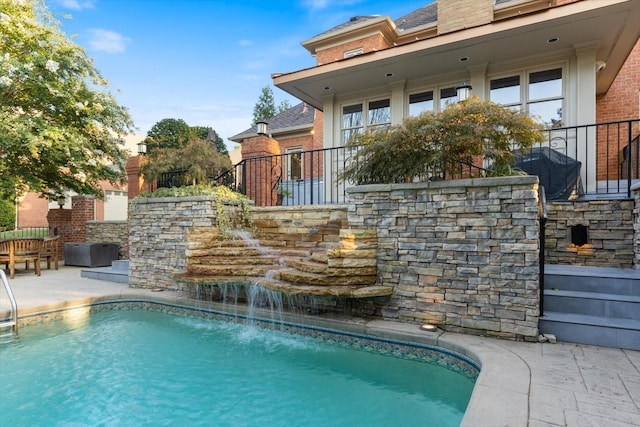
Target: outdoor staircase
{"points": [[592, 305], [118, 272]]}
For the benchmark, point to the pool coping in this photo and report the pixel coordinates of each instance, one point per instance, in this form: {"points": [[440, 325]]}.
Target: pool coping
{"points": [[493, 392]]}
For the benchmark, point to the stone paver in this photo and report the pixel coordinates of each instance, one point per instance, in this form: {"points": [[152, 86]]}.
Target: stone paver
{"points": [[521, 384]]}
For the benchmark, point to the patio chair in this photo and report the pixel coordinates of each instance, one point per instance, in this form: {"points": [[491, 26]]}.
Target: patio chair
{"points": [[5, 249], [49, 250], [25, 249]]}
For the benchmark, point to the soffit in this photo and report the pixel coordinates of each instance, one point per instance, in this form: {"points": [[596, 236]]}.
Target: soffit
{"points": [[612, 25]]}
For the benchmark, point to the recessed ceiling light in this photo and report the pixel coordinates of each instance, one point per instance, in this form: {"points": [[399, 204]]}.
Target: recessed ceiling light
{"points": [[553, 40], [464, 59], [327, 88], [389, 74]]}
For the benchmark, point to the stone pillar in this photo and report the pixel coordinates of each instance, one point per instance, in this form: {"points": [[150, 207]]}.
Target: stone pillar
{"points": [[260, 176], [82, 210], [635, 190], [60, 225], [135, 182]]}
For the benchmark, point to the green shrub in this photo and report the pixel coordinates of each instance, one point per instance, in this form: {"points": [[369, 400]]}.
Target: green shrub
{"points": [[436, 145]]}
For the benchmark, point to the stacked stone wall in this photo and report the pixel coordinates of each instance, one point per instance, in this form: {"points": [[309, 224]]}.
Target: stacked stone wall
{"points": [[609, 227], [461, 254], [636, 225], [158, 236], [301, 227], [110, 232]]}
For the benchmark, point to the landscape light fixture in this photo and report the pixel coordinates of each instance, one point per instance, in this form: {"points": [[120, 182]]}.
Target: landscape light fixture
{"points": [[464, 92], [142, 148], [261, 128], [61, 201]]}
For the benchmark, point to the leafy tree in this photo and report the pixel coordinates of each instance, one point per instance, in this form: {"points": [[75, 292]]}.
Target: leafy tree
{"points": [[7, 214], [283, 106], [210, 135], [435, 145], [199, 160], [265, 108], [60, 129], [168, 133]]}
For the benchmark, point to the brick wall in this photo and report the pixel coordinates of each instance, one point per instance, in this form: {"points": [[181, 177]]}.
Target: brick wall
{"points": [[60, 225], [610, 233], [367, 44], [259, 181], [456, 15], [621, 102], [82, 210], [460, 254], [32, 211]]}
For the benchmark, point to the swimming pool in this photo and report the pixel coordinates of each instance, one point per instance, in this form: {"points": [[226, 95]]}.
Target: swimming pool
{"points": [[140, 367]]}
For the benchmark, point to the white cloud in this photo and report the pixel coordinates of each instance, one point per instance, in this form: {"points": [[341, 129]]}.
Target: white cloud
{"points": [[76, 4], [107, 41], [316, 4]]}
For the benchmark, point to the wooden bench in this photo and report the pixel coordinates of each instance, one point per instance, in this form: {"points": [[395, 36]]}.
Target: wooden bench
{"points": [[21, 249], [50, 248]]}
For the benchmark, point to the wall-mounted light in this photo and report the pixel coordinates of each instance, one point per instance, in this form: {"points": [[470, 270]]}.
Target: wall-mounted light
{"points": [[142, 148], [464, 92], [261, 128]]}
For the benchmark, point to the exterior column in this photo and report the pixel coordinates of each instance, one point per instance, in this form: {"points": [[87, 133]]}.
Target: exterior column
{"points": [[261, 177], [82, 210], [135, 181], [60, 225]]}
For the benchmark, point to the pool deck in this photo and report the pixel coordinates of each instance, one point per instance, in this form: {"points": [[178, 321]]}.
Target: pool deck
{"points": [[520, 384]]}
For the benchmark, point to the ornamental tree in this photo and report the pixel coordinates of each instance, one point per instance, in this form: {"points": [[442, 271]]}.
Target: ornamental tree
{"points": [[60, 129], [436, 145]]}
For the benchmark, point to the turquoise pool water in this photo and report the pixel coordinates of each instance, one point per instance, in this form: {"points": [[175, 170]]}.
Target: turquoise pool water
{"points": [[138, 367]]}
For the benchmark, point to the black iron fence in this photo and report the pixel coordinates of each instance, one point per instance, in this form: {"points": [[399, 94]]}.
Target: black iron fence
{"points": [[599, 160]]}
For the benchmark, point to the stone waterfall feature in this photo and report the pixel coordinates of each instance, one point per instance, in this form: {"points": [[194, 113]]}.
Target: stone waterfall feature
{"points": [[347, 270]]}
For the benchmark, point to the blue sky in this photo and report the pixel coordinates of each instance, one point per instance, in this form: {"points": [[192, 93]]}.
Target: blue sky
{"points": [[203, 61]]}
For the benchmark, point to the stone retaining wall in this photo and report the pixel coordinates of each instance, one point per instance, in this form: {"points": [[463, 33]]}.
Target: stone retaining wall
{"points": [[635, 189], [461, 254], [609, 227], [158, 237], [112, 232]]}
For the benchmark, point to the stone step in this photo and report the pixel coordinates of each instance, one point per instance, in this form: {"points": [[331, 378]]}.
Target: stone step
{"points": [[237, 260], [593, 304], [120, 265], [331, 291], [621, 281], [107, 274], [593, 330], [230, 270], [300, 277]]}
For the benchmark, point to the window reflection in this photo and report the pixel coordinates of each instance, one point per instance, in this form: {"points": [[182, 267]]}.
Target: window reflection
{"points": [[420, 102]]}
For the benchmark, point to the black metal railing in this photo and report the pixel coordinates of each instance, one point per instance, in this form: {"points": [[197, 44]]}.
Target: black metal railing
{"points": [[542, 212], [599, 160]]}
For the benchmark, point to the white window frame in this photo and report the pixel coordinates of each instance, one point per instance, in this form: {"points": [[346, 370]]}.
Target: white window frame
{"points": [[353, 52], [525, 100], [290, 155], [365, 125]]}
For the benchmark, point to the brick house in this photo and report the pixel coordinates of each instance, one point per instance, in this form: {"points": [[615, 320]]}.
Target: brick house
{"points": [[573, 63]]}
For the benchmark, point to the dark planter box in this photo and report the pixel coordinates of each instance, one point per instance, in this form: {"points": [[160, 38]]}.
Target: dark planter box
{"points": [[90, 254]]}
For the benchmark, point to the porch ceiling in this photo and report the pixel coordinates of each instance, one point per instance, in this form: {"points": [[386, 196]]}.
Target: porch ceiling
{"points": [[610, 25]]}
